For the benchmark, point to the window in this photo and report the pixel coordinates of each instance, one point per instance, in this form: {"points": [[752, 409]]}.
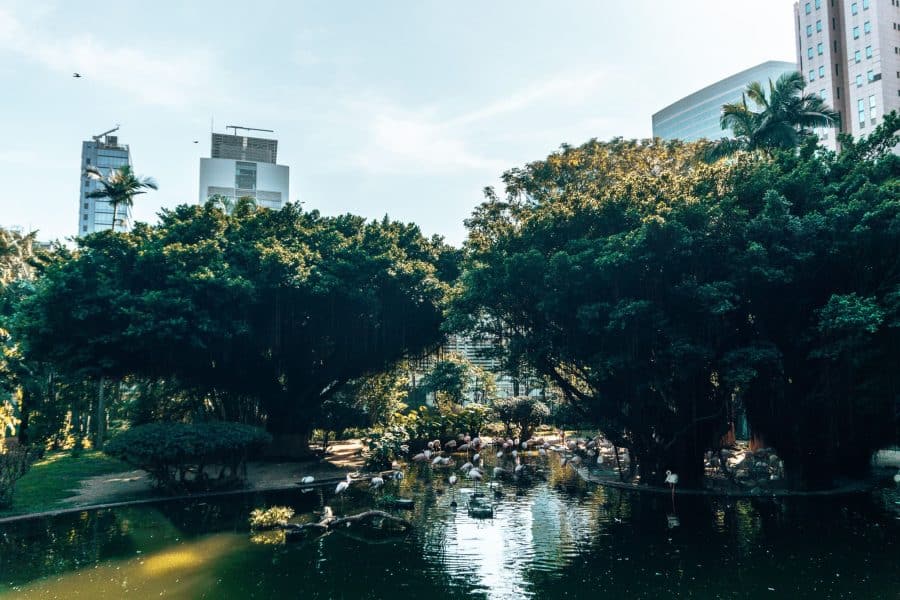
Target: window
{"points": [[818, 4], [861, 109], [809, 31], [808, 8], [870, 76], [809, 53], [85, 204], [855, 32], [812, 75], [865, 4], [868, 51], [854, 9], [83, 228], [858, 81], [245, 176], [823, 95], [867, 26], [819, 25], [821, 71], [857, 56], [872, 108], [820, 48], [84, 217]]}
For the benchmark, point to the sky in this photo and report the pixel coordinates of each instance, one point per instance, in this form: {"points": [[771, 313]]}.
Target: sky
{"points": [[401, 107]]}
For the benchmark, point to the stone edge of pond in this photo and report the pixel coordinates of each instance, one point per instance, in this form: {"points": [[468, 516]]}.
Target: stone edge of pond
{"points": [[68, 510], [851, 488]]}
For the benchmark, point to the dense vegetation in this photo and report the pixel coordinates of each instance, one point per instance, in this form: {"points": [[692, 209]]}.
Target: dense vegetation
{"points": [[661, 292]]}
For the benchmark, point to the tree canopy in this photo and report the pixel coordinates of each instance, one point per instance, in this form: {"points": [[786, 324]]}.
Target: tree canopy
{"points": [[660, 293], [281, 308]]}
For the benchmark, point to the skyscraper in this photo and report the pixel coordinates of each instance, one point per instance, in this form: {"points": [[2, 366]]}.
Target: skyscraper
{"points": [[105, 153], [849, 53], [241, 166], [697, 115]]}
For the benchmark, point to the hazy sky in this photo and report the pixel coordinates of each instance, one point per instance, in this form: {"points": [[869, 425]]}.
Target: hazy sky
{"points": [[407, 108]]}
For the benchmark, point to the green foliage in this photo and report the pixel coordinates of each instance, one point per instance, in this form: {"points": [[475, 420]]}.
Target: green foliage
{"points": [[269, 518], [455, 380], [262, 315], [119, 187], [384, 447], [525, 413], [662, 294], [177, 454]]}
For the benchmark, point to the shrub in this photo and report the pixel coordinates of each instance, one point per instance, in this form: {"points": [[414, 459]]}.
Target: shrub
{"points": [[14, 463], [176, 455], [384, 447], [269, 518]]}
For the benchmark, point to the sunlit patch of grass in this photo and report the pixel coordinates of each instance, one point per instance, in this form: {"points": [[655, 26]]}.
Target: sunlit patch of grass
{"points": [[56, 477]]}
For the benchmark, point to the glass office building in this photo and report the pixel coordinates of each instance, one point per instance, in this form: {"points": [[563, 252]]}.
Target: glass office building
{"points": [[697, 116], [241, 166]]}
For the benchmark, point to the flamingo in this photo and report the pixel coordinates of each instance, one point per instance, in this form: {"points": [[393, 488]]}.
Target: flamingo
{"points": [[672, 480], [500, 454], [476, 458], [466, 467], [376, 482], [452, 481], [542, 451], [420, 457]]}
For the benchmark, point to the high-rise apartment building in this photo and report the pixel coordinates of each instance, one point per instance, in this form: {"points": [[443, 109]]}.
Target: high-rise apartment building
{"points": [[105, 153], [697, 115], [241, 166], [849, 53]]}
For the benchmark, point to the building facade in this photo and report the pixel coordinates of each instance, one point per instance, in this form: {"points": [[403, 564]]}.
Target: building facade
{"points": [[241, 166], [105, 153], [697, 116], [849, 53]]}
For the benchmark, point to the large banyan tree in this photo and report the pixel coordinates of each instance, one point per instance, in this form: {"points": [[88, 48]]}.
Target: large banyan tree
{"points": [[660, 292], [276, 308]]}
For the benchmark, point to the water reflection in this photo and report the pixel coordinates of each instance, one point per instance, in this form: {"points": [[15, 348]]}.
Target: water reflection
{"points": [[554, 536]]}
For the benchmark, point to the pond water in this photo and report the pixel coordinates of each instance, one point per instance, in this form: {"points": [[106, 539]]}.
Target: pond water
{"points": [[556, 537]]}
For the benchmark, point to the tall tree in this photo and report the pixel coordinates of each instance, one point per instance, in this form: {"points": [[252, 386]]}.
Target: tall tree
{"points": [[278, 307], [119, 187], [775, 119]]}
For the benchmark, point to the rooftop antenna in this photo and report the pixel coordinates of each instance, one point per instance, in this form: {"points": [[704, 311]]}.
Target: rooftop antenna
{"points": [[234, 129], [105, 133]]}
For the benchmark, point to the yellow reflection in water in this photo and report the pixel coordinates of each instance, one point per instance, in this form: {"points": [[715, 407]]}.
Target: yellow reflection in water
{"points": [[181, 572]]}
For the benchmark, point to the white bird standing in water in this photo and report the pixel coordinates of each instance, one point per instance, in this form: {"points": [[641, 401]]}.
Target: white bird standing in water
{"points": [[342, 486], [376, 482], [672, 480], [453, 479]]}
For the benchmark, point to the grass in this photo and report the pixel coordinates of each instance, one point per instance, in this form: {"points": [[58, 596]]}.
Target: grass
{"points": [[56, 477]]}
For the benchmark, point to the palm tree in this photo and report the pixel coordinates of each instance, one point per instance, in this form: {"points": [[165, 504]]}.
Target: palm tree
{"points": [[119, 187], [779, 119], [230, 206]]}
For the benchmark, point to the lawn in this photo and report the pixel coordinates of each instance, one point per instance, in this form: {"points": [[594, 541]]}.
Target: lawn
{"points": [[56, 477]]}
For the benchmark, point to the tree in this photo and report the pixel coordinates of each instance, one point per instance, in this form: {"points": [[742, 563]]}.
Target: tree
{"points": [[523, 412], [779, 119], [457, 380], [119, 187], [278, 309]]}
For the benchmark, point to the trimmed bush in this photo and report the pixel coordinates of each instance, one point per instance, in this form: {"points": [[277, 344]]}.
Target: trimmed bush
{"points": [[176, 455]]}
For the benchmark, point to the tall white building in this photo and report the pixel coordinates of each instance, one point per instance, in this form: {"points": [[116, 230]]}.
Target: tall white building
{"points": [[849, 53], [241, 166], [105, 153]]}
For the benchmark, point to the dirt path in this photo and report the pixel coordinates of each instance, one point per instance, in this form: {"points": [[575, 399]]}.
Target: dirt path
{"points": [[344, 456]]}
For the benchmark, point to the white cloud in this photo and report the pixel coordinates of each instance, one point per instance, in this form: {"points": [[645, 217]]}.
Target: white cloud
{"points": [[151, 78], [404, 141]]}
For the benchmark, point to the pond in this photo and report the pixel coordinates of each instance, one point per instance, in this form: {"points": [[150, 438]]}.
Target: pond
{"points": [[555, 537]]}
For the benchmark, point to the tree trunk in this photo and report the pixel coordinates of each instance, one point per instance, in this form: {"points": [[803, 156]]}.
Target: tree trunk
{"points": [[115, 207], [101, 415]]}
